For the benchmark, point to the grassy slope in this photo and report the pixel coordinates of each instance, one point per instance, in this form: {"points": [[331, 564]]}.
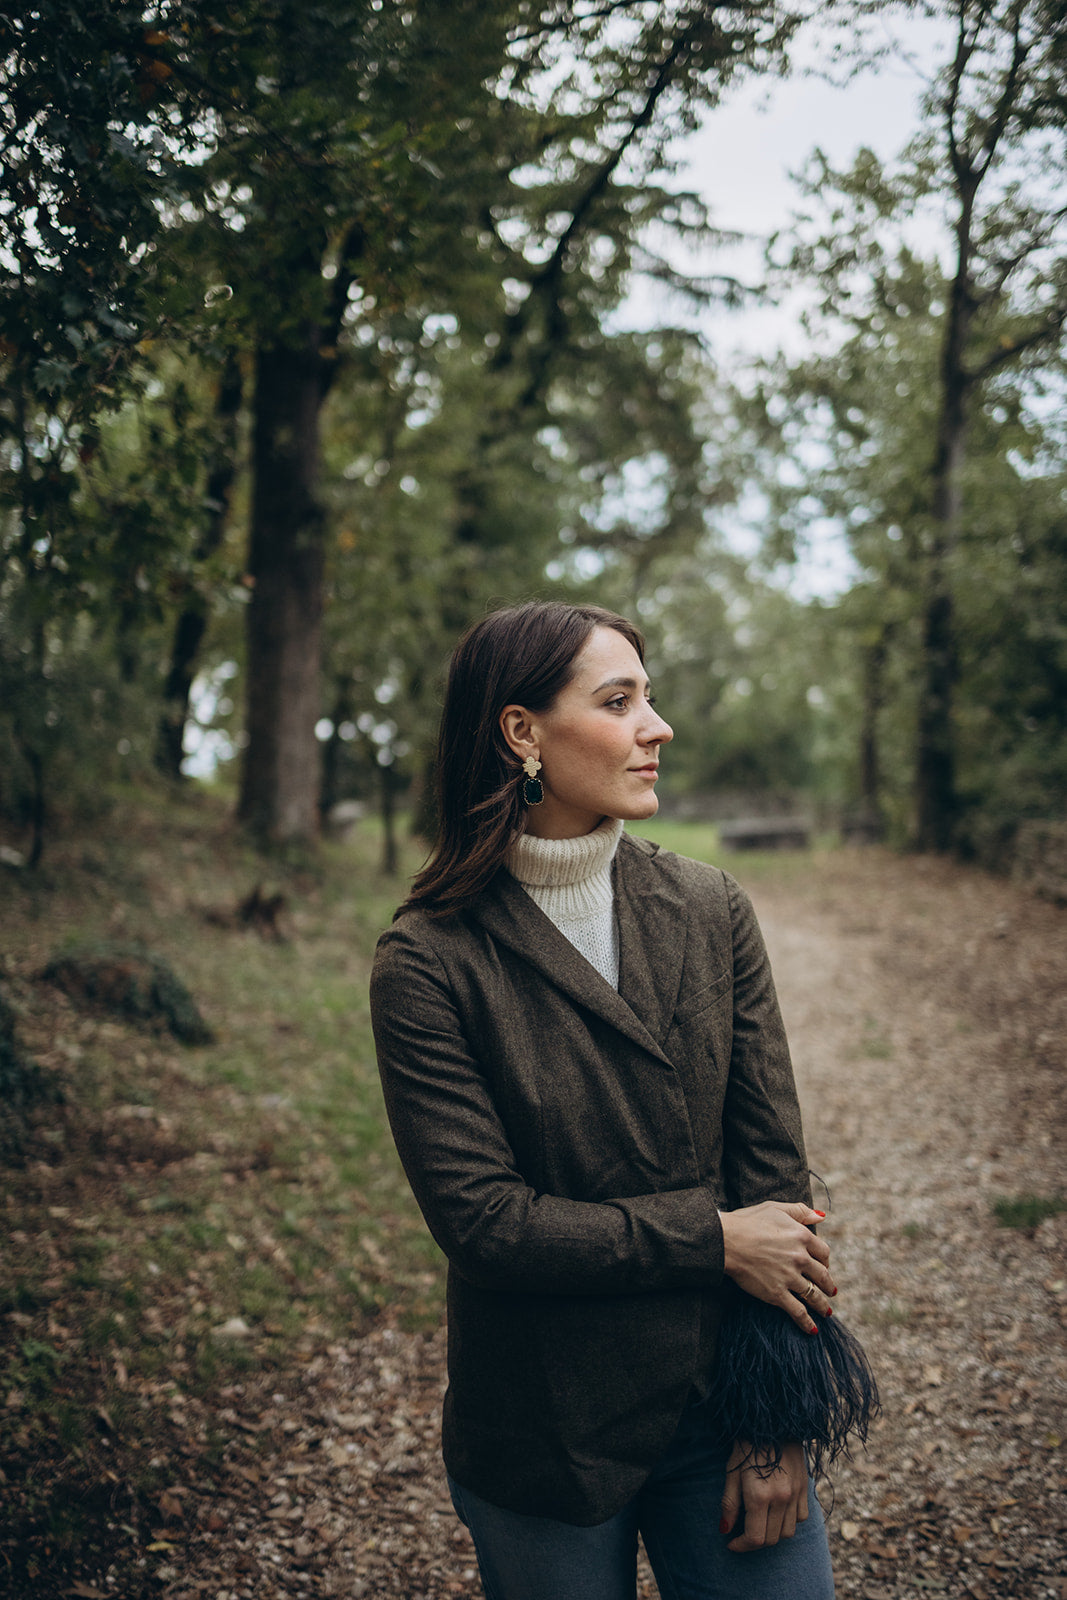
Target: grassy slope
{"points": [[178, 1189]]}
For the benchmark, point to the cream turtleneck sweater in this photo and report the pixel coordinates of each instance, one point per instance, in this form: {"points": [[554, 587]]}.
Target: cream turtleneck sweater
{"points": [[570, 879]]}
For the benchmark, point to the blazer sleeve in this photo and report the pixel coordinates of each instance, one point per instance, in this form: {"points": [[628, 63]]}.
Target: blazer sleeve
{"points": [[496, 1231], [763, 1142]]}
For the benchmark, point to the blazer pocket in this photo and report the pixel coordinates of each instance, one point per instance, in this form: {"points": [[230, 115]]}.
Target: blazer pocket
{"points": [[693, 1005]]}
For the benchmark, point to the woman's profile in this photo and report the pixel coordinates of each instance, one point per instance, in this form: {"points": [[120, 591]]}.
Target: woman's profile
{"points": [[590, 1089]]}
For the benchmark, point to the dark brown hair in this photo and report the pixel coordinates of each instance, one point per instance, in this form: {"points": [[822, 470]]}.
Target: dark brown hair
{"points": [[522, 655]]}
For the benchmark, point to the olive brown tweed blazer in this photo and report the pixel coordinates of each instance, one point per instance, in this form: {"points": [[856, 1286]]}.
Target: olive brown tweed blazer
{"points": [[570, 1147]]}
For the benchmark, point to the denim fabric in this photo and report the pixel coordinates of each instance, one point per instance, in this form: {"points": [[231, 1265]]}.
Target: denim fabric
{"points": [[676, 1513]]}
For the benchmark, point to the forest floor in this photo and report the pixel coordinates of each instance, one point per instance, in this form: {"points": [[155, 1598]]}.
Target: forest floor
{"points": [[222, 1360]]}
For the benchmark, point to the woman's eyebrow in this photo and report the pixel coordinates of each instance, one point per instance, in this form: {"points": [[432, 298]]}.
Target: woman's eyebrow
{"points": [[620, 683]]}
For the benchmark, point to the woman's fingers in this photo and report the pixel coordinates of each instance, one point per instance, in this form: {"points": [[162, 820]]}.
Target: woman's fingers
{"points": [[819, 1251], [731, 1499], [797, 1307], [815, 1296], [771, 1252], [771, 1496], [808, 1308], [757, 1528], [818, 1287], [769, 1248], [800, 1212]]}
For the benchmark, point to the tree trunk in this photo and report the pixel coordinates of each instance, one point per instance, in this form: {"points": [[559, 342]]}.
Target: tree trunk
{"points": [[874, 658], [935, 764], [38, 805], [280, 778], [340, 713], [390, 848], [192, 621], [935, 773], [936, 801]]}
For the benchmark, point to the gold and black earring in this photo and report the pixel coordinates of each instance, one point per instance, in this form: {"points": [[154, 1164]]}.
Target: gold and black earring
{"points": [[533, 790]]}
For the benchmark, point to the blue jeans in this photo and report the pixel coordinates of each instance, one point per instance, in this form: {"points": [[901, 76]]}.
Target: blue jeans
{"points": [[677, 1514]]}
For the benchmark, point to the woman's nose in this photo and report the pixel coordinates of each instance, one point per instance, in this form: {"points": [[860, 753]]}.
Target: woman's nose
{"points": [[658, 732]]}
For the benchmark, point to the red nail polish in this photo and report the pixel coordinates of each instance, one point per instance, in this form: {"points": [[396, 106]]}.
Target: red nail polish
{"points": [[829, 1311], [819, 1213], [813, 1329], [725, 1525], [833, 1291]]}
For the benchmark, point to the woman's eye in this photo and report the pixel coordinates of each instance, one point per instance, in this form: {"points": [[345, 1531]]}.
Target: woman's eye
{"points": [[618, 704]]}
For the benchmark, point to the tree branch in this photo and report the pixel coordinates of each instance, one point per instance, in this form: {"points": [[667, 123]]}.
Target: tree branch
{"points": [[1006, 101], [1006, 265], [546, 284], [1056, 319], [564, 24], [964, 51]]}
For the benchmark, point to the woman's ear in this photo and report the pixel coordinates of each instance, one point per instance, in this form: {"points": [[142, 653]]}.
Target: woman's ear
{"points": [[519, 732]]}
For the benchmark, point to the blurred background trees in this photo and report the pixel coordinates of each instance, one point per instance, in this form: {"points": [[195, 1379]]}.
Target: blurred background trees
{"points": [[312, 346]]}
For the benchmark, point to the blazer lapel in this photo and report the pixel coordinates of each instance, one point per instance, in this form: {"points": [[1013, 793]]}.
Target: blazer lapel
{"points": [[509, 914], [653, 920]]}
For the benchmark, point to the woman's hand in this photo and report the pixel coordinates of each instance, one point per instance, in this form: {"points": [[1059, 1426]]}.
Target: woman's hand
{"points": [[773, 1501], [771, 1253]]}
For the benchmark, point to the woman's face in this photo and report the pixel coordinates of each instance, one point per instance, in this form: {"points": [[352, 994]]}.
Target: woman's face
{"points": [[598, 743]]}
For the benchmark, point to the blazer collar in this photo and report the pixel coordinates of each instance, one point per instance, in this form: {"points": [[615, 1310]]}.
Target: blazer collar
{"points": [[652, 917]]}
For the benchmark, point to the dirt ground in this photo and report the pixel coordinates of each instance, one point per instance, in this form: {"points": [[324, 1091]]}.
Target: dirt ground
{"points": [[927, 1009]]}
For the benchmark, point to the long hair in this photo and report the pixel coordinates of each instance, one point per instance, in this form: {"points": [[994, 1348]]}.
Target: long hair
{"points": [[521, 655]]}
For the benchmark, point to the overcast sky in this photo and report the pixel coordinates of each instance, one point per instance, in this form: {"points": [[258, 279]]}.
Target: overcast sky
{"points": [[740, 162]]}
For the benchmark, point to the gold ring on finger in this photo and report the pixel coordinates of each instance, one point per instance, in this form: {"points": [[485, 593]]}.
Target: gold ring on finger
{"points": [[810, 1290]]}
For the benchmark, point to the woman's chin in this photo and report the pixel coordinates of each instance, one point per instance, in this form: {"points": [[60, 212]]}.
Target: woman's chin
{"points": [[639, 810]]}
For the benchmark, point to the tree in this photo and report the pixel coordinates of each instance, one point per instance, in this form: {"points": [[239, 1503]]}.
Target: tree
{"points": [[996, 132], [843, 438], [1001, 110], [385, 159], [86, 172], [221, 462]]}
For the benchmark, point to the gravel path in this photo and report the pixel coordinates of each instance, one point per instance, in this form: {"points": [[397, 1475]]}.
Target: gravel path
{"points": [[927, 1009], [928, 1013]]}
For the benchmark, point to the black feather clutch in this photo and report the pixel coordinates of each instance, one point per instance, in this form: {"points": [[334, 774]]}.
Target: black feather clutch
{"points": [[774, 1383]]}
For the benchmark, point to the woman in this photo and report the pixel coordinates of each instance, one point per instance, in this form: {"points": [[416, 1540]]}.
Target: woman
{"points": [[590, 1089]]}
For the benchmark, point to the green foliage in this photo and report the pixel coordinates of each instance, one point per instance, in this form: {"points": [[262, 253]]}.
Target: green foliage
{"points": [[92, 139], [419, 547], [1027, 1210], [69, 725], [85, 170]]}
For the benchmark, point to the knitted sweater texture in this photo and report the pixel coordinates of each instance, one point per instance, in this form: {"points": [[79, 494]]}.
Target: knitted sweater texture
{"points": [[570, 879]]}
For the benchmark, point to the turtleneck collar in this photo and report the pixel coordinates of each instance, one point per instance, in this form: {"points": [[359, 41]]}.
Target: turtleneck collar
{"points": [[556, 862]]}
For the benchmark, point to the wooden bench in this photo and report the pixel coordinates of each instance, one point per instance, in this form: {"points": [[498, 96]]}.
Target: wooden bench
{"points": [[765, 833]]}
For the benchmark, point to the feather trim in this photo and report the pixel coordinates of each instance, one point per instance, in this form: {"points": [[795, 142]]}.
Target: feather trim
{"points": [[773, 1382]]}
